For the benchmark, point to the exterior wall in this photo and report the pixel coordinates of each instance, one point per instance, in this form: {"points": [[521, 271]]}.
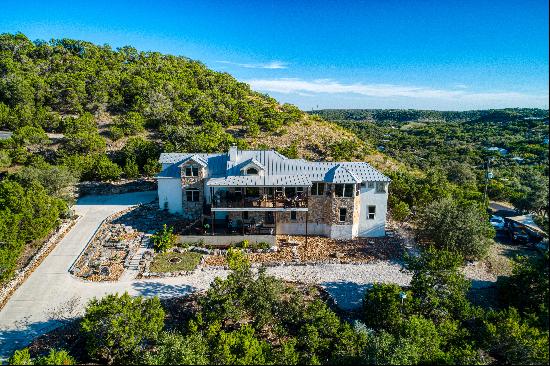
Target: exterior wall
{"points": [[170, 195], [376, 227], [192, 210]]}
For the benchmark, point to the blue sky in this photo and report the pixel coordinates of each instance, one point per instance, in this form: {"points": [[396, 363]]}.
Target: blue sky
{"points": [[449, 55]]}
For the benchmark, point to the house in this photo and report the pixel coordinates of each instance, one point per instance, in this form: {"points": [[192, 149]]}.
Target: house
{"points": [[264, 192]]}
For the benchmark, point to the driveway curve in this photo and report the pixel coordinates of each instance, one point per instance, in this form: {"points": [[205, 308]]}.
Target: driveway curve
{"points": [[51, 296]]}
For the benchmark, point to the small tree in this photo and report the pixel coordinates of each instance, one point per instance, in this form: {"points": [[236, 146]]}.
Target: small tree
{"points": [[385, 305], [439, 289], [55, 357], [462, 228], [163, 239], [20, 357], [116, 327]]}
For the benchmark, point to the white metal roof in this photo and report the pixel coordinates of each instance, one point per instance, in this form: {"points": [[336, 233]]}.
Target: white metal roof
{"points": [[277, 169]]}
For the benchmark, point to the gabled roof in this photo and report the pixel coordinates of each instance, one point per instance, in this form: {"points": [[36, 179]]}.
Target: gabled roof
{"points": [[196, 158], [277, 169], [340, 174]]}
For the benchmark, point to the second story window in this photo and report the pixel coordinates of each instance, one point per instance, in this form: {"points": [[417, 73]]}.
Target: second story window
{"points": [[344, 190], [191, 171], [380, 187], [192, 195], [372, 212], [318, 189], [293, 215]]}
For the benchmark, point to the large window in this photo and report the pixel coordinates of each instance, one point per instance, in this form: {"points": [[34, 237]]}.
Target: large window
{"points": [[192, 195], [371, 212], [191, 171], [293, 215], [344, 190], [318, 189], [343, 214]]}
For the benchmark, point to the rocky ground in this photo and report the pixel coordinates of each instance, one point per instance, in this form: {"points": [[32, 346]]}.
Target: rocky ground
{"points": [[118, 239]]}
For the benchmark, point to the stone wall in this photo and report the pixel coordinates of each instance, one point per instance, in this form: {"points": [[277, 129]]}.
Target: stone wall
{"points": [[192, 210], [118, 187]]}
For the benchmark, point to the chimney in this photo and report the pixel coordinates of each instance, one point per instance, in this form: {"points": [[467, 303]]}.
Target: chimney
{"points": [[233, 153]]}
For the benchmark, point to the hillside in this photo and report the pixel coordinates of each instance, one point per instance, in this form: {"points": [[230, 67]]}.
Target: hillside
{"points": [[110, 103]]}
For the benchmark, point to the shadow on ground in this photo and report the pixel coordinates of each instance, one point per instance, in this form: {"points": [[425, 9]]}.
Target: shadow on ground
{"points": [[162, 290], [13, 339], [347, 295]]}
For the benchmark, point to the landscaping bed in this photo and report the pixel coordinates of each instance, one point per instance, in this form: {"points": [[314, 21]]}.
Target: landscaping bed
{"points": [[294, 249], [175, 262]]}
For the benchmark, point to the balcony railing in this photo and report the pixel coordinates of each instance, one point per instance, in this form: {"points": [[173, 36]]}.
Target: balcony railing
{"points": [[264, 201]]}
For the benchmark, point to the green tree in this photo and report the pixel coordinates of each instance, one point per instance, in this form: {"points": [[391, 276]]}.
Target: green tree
{"points": [[20, 357], [462, 228], [117, 327], [163, 239], [385, 306], [175, 349], [55, 357], [438, 287]]}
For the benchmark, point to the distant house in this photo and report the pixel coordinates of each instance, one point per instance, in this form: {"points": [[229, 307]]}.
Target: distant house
{"points": [[500, 150], [262, 191], [518, 159]]}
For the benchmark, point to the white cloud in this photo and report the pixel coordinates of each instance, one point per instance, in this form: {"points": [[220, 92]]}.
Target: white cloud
{"points": [[266, 65], [328, 86]]}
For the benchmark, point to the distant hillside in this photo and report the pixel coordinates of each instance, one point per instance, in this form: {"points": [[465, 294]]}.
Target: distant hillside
{"points": [[514, 141]]}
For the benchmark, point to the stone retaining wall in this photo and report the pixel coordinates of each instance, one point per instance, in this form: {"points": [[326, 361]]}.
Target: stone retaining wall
{"points": [[21, 275], [118, 187]]}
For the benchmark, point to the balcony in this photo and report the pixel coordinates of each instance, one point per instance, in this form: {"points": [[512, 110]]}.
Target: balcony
{"points": [[264, 202]]}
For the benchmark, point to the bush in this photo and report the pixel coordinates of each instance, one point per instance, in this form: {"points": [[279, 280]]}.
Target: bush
{"points": [[438, 287], [175, 349], [527, 289], [462, 228], [104, 169], [163, 239], [20, 357], [384, 307], [513, 341], [55, 357], [117, 327]]}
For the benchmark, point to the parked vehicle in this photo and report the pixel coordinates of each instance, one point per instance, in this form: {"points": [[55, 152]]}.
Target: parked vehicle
{"points": [[497, 222], [520, 233]]}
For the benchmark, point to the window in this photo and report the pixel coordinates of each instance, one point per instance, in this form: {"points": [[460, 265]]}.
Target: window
{"points": [[293, 215], [279, 189], [380, 187], [371, 185], [344, 190], [318, 189], [290, 191], [371, 212], [252, 171], [191, 171], [245, 215], [192, 195], [343, 213], [299, 189]]}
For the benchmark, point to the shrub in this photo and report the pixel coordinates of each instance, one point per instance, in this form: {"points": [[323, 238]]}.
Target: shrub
{"points": [[55, 357], [20, 357], [163, 239], [438, 287], [175, 349], [462, 228], [513, 341], [104, 169], [116, 327], [383, 306]]}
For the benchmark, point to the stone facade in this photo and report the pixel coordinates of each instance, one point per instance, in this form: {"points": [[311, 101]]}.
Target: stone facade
{"points": [[192, 209]]}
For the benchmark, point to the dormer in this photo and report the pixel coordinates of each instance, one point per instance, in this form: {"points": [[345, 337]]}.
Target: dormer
{"points": [[193, 166], [252, 167]]}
